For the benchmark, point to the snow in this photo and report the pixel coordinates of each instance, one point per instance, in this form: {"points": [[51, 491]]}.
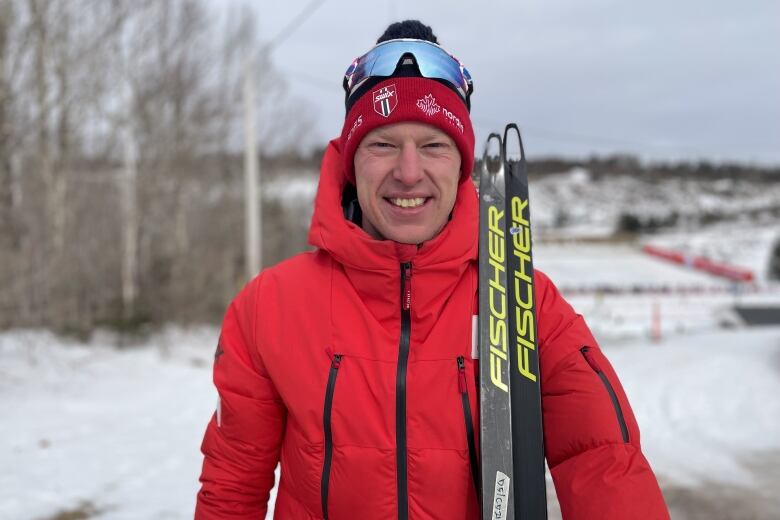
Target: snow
{"points": [[121, 428], [625, 293], [705, 402], [591, 266], [737, 243], [117, 430], [564, 202], [292, 188]]}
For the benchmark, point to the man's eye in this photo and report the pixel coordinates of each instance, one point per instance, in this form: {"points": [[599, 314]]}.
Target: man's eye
{"points": [[436, 145], [382, 144]]}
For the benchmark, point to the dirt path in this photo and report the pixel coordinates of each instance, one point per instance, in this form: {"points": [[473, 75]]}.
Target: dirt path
{"points": [[718, 501]]}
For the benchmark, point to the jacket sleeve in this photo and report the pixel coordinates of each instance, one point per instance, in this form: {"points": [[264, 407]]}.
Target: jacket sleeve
{"points": [[242, 441], [591, 436]]}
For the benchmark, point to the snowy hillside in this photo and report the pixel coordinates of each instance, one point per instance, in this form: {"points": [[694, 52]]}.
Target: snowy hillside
{"points": [[578, 201], [726, 220]]}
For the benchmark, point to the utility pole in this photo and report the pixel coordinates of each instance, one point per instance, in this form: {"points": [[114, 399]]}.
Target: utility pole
{"points": [[253, 193], [253, 204], [129, 210]]}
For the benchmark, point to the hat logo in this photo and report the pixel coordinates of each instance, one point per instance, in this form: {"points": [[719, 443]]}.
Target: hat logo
{"points": [[455, 120], [428, 105], [385, 100], [358, 122]]}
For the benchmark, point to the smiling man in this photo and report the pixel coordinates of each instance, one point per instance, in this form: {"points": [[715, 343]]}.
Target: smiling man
{"points": [[407, 180], [353, 364]]}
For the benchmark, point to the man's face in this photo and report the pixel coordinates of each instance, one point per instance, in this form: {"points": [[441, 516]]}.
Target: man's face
{"points": [[407, 179]]}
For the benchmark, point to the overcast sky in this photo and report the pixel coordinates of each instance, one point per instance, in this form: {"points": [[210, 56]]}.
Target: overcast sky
{"points": [[666, 79]]}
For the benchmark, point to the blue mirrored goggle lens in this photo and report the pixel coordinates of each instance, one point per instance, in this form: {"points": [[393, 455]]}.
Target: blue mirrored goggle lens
{"points": [[432, 61]]}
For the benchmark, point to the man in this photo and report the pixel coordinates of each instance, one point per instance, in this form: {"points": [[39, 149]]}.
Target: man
{"points": [[352, 364]]}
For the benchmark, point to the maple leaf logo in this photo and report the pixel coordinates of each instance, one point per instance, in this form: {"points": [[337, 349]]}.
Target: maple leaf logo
{"points": [[428, 105]]}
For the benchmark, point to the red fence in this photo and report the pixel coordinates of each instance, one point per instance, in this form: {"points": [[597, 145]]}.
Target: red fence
{"points": [[730, 272]]}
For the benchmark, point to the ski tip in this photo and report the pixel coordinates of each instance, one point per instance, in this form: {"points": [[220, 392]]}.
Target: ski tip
{"points": [[513, 128], [492, 157]]}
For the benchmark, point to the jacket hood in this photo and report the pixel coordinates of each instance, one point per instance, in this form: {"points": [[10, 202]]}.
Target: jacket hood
{"points": [[351, 246], [374, 266]]}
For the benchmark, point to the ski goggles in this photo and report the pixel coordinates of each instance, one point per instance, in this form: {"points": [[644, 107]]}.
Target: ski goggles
{"points": [[432, 61]]}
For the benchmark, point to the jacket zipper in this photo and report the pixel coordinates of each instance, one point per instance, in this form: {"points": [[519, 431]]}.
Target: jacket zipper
{"points": [[400, 391], [464, 396], [335, 362], [611, 391]]}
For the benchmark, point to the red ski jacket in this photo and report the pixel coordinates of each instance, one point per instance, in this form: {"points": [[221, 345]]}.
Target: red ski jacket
{"points": [[352, 365]]}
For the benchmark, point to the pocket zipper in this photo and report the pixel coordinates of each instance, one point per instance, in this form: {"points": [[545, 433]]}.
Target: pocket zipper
{"points": [[464, 395], [335, 363], [611, 391]]}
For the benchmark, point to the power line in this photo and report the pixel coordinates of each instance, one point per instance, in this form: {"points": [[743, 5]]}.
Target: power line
{"points": [[589, 139], [312, 80], [296, 22]]}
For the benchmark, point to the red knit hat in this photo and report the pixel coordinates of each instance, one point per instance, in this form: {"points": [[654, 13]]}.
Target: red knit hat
{"points": [[400, 99]]}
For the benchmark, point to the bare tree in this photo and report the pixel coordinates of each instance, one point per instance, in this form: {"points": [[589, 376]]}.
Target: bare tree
{"points": [[7, 227], [120, 122]]}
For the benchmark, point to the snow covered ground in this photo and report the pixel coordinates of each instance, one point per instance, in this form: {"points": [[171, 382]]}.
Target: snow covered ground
{"points": [[115, 433], [744, 244], [706, 401], [589, 266], [94, 428]]}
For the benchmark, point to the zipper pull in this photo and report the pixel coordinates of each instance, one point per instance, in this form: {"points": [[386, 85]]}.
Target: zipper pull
{"points": [[335, 359], [407, 303], [590, 359], [462, 376]]}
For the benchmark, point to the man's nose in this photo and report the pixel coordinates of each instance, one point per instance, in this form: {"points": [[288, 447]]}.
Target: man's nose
{"points": [[409, 169]]}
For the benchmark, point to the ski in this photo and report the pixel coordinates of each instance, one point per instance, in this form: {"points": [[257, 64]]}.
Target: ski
{"points": [[530, 492], [511, 439], [495, 402]]}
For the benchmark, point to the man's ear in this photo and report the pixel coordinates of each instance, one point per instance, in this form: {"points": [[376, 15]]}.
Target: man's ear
{"points": [[350, 205]]}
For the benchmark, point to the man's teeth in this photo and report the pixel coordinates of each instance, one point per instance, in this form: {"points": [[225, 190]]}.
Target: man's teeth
{"points": [[408, 203]]}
